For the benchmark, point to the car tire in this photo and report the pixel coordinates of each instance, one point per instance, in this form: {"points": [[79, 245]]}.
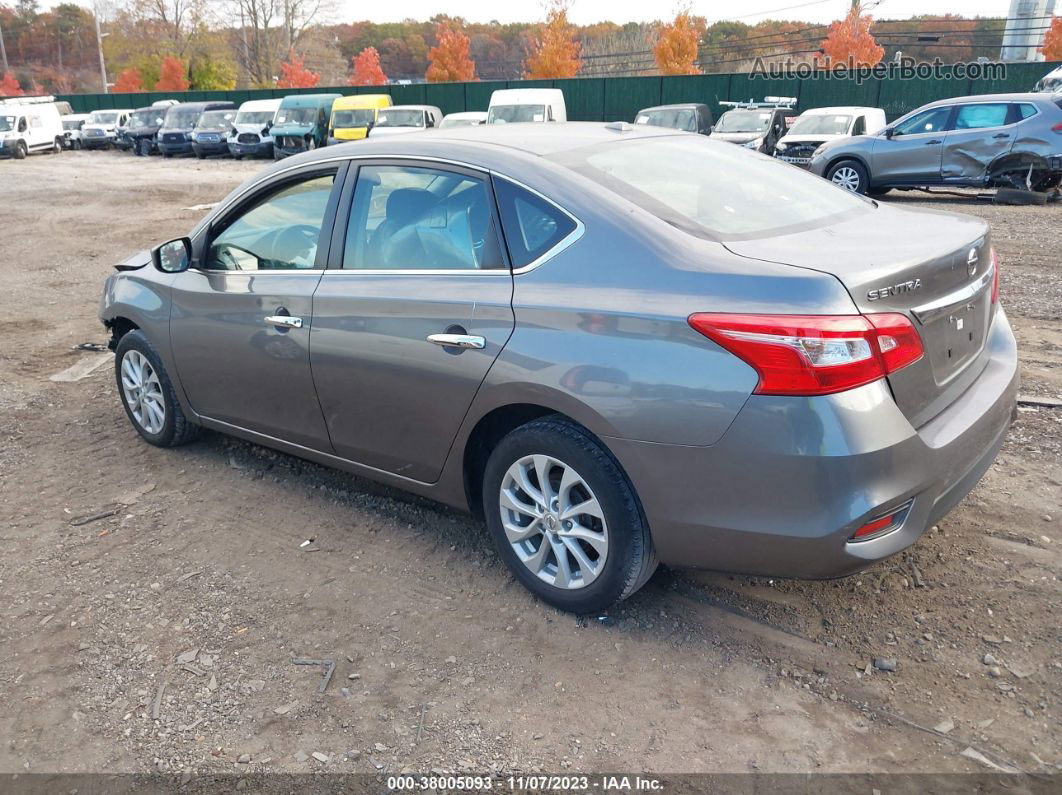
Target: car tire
{"points": [[144, 147], [616, 537], [57, 146], [850, 175], [138, 370], [237, 157], [21, 151], [1018, 197]]}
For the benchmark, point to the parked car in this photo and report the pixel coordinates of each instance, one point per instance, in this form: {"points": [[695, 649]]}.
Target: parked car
{"points": [[101, 129], [756, 125], [72, 124], [992, 140], [1050, 83], [468, 118], [401, 119], [212, 131], [142, 129], [175, 135], [29, 124], [353, 117], [606, 339], [252, 130], [508, 105], [301, 123], [812, 128], [689, 117]]}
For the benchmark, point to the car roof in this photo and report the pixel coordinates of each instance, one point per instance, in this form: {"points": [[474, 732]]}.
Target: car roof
{"points": [[675, 106], [1021, 97], [466, 114], [411, 107], [839, 109]]}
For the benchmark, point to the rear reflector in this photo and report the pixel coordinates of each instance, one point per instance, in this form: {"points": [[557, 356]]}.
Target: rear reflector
{"points": [[814, 354], [1057, 128], [995, 276], [876, 528]]}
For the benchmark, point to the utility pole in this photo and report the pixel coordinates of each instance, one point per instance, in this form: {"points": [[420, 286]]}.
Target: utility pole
{"points": [[99, 47], [3, 50]]}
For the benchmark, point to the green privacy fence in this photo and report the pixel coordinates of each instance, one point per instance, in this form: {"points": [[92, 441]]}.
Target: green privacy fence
{"points": [[612, 98]]}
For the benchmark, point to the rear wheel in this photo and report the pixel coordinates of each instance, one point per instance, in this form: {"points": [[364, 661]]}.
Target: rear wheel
{"points": [[850, 175], [147, 393], [564, 517]]}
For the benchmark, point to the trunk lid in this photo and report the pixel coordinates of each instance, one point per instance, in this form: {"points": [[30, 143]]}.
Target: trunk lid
{"points": [[936, 268]]}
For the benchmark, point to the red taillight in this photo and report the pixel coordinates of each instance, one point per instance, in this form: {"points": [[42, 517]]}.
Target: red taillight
{"points": [[1057, 128], [814, 354], [995, 276]]}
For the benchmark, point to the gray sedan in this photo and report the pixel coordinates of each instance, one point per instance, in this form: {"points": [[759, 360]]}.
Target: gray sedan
{"points": [[619, 345]]}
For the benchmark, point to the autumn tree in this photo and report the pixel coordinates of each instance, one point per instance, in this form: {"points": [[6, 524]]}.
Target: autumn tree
{"points": [[128, 81], [849, 40], [367, 69], [448, 60], [172, 75], [294, 74], [554, 51], [9, 86], [1052, 48], [676, 48]]}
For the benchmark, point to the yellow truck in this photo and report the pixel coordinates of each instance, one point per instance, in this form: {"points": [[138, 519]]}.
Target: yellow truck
{"points": [[353, 116]]}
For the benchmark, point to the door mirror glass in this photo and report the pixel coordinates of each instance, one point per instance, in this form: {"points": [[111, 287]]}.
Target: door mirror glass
{"points": [[173, 257]]}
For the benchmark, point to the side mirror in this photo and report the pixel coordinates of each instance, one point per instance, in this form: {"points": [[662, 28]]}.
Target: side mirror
{"points": [[889, 132], [269, 124], [174, 256]]}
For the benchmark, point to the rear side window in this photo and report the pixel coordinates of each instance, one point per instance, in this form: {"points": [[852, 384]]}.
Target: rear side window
{"points": [[985, 114], [1025, 110], [532, 225]]}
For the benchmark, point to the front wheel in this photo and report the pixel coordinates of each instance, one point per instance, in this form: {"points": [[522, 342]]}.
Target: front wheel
{"points": [[850, 175], [147, 393], [564, 517], [21, 151]]}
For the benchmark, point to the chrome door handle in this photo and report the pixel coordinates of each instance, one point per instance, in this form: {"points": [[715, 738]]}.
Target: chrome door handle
{"points": [[284, 321], [1001, 135], [457, 340], [934, 141]]}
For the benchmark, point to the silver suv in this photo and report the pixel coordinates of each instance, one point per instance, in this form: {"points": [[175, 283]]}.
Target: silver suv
{"points": [[1000, 140]]}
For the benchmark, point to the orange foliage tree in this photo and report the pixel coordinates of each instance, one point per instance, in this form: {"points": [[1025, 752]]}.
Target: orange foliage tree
{"points": [[849, 40], [294, 74], [173, 76], [554, 52], [367, 69], [1052, 48], [128, 81], [9, 86], [448, 60], [676, 47]]}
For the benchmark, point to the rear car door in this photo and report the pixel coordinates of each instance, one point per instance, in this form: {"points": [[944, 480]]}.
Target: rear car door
{"points": [[412, 312], [241, 316], [978, 134], [913, 153]]}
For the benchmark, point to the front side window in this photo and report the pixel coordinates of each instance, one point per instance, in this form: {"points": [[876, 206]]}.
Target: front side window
{"points": [[860, 126], [417, 218], [712, 189], [279, 232], [532, 225], [985, 114], [928, 121]]}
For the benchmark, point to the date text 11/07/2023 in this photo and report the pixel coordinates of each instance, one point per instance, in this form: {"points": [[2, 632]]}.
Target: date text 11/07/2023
{"points": [[537, 783]]}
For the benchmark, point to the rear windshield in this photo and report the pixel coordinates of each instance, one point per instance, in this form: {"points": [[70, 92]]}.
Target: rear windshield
{"points": [[713, 189], [685, 119]]}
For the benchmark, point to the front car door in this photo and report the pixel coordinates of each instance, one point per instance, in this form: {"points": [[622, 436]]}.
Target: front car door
{"points": [[978, 134], [241, 317], [411, 314], [914, 151]]}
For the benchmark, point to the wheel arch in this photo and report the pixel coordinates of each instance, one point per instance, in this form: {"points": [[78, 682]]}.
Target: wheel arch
{"points": [[840, 158]]}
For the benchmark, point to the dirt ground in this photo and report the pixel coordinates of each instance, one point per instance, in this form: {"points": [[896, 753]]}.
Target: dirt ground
{"points": [[160, 637]]}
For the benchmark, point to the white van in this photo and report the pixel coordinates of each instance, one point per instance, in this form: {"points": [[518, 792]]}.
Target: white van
{"points": [[29, 124], [812, 128], [72, 124], [101, 130], [509, 105], [253, 127]]}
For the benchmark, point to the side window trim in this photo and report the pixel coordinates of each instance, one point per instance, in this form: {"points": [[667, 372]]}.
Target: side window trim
{"points": [[338, 242], [202, 242]]}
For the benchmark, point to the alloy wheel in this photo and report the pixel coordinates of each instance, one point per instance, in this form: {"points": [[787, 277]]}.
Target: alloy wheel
{"points": [[554, 522], [143, 392], [847, 177]]}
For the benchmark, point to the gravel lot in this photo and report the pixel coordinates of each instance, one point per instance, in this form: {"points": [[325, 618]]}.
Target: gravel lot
{"points": [[152, 601]]}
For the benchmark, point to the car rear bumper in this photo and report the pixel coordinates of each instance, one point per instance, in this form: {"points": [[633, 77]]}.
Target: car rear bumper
{"points": [[792, 479]]}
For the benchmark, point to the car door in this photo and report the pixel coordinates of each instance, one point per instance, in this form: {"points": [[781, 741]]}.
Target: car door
{"points": [[241, 317], [411, 314], [978, 134], [913, 152]]}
